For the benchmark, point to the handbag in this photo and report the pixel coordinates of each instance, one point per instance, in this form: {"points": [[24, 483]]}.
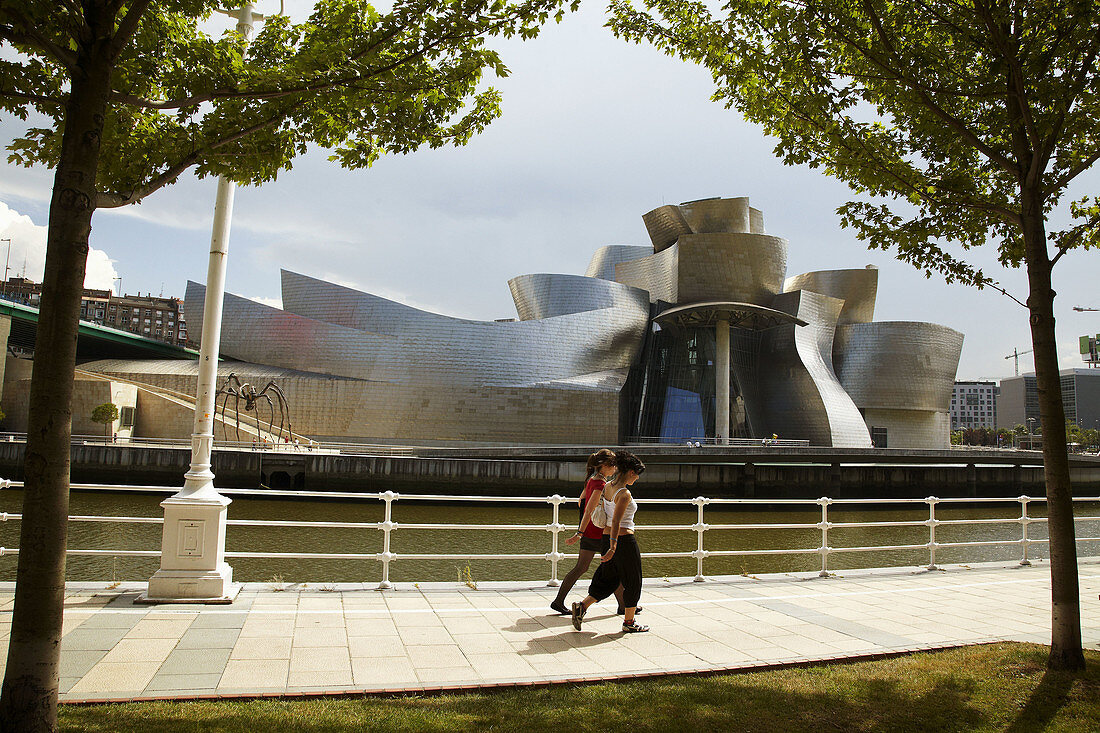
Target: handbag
{"points": [[599, 516]]}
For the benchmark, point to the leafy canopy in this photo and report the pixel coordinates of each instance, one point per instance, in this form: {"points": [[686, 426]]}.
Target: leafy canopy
{"points": [[352, 79], [105, 413], [967, 115]]}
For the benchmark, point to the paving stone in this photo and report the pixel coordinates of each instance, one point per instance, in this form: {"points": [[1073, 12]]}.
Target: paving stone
{"points": [[93, 639], [203, 637], [195, 661], [195, 684]]}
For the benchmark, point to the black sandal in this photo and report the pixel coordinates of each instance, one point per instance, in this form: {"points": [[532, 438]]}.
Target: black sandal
{"points": [[559, 607], [622, 611], [634, 628]]}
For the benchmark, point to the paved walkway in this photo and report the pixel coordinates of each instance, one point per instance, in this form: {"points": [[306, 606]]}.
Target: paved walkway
{"points": [[349, 638]]}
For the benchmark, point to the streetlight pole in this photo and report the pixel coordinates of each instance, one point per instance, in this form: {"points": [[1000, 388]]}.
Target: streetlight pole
{"points": [[7, 258], [192, 565]]}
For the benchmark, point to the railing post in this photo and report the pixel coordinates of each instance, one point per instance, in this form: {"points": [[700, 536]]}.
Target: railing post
{"points": [[554, 528], [700, 527], [1025, 520], [824, 525], [932, 523], [387, 525]]}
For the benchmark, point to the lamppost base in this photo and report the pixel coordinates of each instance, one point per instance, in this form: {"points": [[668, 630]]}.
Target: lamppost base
{"points": [[189, 586], [192, 556]]}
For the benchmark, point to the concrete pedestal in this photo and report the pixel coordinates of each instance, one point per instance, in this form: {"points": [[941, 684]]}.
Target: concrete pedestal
{"points": [[192, 560]]}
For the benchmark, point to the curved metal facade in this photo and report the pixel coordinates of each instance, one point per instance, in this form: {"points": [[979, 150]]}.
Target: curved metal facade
{"points": [[900, 365], [711, 266], [857, 288], [585, 363], [545, 296], [428, 348], [803, 395], [603, 262], [901, 374]]}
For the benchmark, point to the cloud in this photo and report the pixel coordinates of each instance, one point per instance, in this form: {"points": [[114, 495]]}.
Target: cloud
{"points": [[270, 302], [27, 253]]}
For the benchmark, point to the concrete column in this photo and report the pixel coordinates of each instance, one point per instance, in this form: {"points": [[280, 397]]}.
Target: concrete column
{"points": [[722, 382]]}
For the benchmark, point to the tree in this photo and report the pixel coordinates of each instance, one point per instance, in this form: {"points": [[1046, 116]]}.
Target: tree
{"points": [[105, 414], [953, 123], [124, 96]]}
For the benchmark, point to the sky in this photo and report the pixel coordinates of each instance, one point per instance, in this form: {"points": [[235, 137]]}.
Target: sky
{"points": [[594, 133]]}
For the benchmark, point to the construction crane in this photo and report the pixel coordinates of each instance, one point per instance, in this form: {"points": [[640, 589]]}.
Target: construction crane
{"points": [[1016, 355]]}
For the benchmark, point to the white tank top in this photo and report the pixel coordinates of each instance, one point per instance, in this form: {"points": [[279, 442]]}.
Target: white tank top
{"points": [[627, 521]]}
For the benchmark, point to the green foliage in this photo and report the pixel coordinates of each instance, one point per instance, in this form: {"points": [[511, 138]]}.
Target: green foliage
{"points": [[352, 79], [105, 414], [950, 121]]}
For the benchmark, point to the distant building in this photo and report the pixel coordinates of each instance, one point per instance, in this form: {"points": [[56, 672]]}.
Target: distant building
{"points": [[974, 405], [1019, 399], [153, 317]]}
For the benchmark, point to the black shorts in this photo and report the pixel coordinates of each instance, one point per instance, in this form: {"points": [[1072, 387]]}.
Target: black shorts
{"points": [[592, 545]]}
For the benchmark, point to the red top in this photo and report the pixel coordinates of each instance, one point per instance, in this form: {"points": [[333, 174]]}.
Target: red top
{"points": [[593, 485]]}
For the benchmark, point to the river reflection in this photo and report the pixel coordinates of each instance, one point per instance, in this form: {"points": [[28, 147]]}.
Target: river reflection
{"points": [[85, 535]]}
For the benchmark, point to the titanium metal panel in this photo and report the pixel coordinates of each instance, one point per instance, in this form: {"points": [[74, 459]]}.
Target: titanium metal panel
{"points": [[756, 221], [742, 267], [547, 295], [602, 264], [801, 395], [665, 224], [857, 288], [422, 350], [900, 365], [657, 274], [718, 215], [747, 268]]}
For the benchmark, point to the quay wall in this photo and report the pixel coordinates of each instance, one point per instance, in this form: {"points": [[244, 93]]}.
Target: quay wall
{"points": [[678, 478]]}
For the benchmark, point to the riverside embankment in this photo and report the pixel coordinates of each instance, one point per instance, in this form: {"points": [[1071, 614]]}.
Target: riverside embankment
{"points": [[674, 471]]}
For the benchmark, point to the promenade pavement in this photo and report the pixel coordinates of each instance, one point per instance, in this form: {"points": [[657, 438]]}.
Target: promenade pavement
{"points": [[348, 638]]}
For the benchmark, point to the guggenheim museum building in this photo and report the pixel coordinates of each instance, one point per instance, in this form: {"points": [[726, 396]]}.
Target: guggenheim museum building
{"points": [[699, 334]]}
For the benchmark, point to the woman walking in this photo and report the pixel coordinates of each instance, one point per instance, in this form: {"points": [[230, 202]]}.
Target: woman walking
{"points": [[601, 466], [622, 562]]}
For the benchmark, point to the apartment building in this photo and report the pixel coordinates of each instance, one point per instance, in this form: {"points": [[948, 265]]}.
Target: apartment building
{"points": [[974, 405]]}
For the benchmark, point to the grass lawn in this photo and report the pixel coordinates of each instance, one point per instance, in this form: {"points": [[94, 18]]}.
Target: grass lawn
{"points": [[1000, 687]]}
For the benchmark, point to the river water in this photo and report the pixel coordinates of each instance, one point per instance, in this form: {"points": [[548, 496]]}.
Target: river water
{"points": [[87, 535]]}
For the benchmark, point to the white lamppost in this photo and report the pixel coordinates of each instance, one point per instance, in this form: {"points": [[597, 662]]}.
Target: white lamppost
{"points": [[192, 558], [6, 258]]}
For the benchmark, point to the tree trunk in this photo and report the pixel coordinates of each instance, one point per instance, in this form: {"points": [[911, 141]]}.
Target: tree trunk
{"points": [[28, 701], [1065, 644]]}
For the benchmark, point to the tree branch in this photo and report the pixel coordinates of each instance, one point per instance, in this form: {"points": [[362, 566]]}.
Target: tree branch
{"points": [[955, 124], [25, 96], [994, 286], [27, 37], [114, 200], [127, 27], [1075, 171], [1069, 99]]}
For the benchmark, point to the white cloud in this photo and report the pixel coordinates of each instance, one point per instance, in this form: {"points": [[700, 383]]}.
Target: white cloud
{"points": [[271, 302], [27, 255]]}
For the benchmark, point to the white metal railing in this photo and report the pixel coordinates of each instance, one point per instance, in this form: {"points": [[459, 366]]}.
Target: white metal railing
{"points": [[387, 526]]}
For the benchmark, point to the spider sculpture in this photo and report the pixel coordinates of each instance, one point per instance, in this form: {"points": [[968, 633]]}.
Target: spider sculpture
{"points": [[238, 391]]}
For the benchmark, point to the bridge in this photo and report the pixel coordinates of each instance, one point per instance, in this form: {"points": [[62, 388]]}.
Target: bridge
{"points": [[93, 340]]}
